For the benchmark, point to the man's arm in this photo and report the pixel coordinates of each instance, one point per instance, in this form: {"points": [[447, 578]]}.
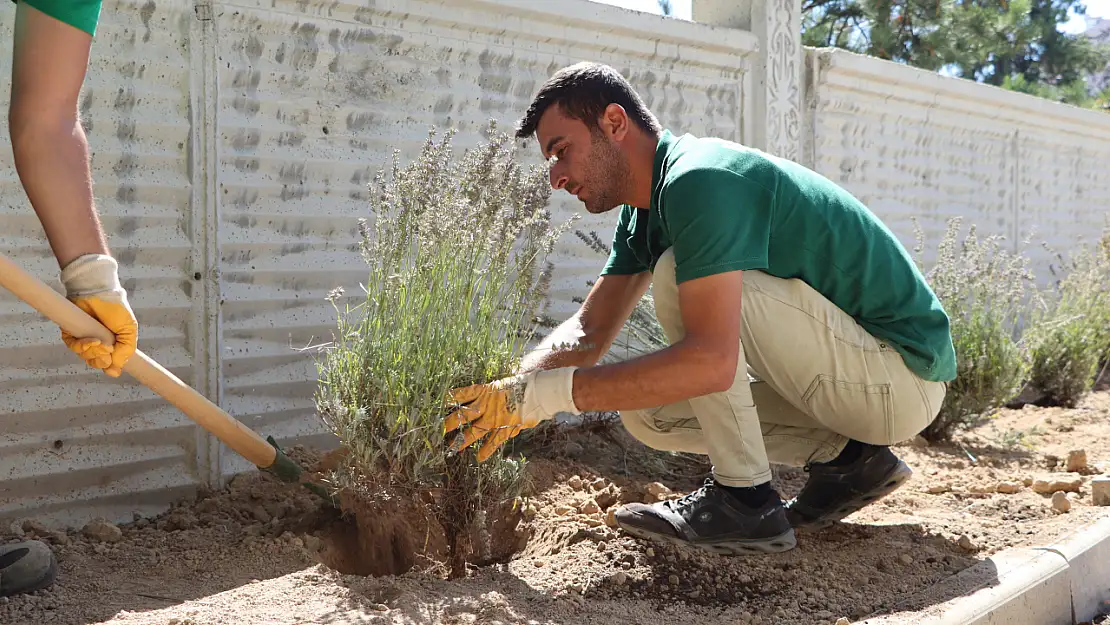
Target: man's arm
{"points": [[51, 153], [584, 338], [48, 143], [703, 362]]}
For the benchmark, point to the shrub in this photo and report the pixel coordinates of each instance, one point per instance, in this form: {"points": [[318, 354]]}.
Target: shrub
{"points": [[1071, 336], [985, 290], [458, 273]]}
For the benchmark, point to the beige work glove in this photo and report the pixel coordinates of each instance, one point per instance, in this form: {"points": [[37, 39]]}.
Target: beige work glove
{"points": [[508, 405], [92, 283]]}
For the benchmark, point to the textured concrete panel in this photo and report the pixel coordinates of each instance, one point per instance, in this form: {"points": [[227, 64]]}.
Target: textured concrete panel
{"points": [[313, 98], [73, 442], [911, 143]]}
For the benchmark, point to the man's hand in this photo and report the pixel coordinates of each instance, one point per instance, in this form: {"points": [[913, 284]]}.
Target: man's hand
{"points": [[92, 283], [508, 405]]}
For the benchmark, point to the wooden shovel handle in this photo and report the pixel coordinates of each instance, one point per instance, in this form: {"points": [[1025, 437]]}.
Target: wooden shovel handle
{"points": [[197, 407]]}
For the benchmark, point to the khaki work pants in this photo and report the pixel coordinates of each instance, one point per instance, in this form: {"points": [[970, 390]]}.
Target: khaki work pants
{"points": [[809, 379]]}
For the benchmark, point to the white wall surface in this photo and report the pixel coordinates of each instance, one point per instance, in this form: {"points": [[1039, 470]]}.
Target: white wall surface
{"points": [[232, 143], [74, 443], [912, 143]]}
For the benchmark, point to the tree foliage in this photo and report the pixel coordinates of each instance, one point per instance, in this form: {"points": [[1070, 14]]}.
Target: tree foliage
{"points": [[1013, 44]]}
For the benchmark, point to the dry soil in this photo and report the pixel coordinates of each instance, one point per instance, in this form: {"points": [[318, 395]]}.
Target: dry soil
{"points": [[251, 553]]}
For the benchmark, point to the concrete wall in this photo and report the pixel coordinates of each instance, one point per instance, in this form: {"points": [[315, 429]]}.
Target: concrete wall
{"points": [[232, 143], [912, 143]]}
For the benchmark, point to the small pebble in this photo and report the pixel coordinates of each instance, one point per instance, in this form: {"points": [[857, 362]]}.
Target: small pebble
{"points": [[843, 621], [1077, 461], [1060, 502], [589, 507], [906, 558]]}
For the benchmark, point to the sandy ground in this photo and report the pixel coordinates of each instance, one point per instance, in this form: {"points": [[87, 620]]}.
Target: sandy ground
{"points": [[250, 554]]}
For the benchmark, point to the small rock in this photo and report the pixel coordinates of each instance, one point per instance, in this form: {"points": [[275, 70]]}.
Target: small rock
{"points": [[379, 607], [589, 507], [611, 517], [1100, 491], [35, 527], [1077, 461], [620, 578], [1060, 502], [607, 497], [672, 580], [1008, 488], [312, 543], [529, 512], [1048, 484], [1027, 482], [843, 621], [563, 510], [260, 514], [657, 489], [598, 484], [906, 558], [99, 529], [575, 482], [537, 563], [965, 543], [937, 489]]}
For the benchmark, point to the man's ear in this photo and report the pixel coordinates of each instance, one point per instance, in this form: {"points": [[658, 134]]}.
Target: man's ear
{"points": [[614, 122]]}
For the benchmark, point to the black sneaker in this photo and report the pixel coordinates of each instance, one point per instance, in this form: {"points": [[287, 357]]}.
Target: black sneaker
{"points": [[836, 491], [712, 519]]}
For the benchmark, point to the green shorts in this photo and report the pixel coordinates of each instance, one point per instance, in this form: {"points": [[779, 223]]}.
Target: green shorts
{"points": [[81, 14]]}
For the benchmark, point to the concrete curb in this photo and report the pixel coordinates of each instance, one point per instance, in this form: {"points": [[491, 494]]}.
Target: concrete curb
{"points": [[1061, 584]]}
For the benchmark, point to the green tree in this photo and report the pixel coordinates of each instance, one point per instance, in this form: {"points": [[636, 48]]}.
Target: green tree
{"points": [[1015, 44]]}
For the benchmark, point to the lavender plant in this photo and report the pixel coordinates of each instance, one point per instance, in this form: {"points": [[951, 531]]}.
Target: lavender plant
{"points": [[458, 273], [986, 291], [1071, 336]]}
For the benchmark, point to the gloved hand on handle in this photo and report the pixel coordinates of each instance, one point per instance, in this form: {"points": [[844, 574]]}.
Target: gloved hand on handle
{"points": [[504, 407], [92, 283]]}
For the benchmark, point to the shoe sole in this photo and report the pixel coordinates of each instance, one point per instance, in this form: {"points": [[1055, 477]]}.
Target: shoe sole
{"points": [[893, 482], [757, 546], [46, 581]]}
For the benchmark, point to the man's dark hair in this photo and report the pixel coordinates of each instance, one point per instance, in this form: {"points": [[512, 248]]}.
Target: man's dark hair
{"points": [[583, 90]]}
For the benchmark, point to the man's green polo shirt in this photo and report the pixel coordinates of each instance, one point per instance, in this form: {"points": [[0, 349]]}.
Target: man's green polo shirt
{"points": [[726, 207]]}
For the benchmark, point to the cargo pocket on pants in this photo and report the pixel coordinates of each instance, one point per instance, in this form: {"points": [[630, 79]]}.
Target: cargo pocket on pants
{"points": [[862, 412]]}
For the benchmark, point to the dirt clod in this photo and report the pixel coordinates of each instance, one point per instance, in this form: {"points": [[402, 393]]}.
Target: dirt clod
{"points": [[1100, 490], [1060, 502], [1048, 484], [101, 530], [1077, 461], [1008, 488]]}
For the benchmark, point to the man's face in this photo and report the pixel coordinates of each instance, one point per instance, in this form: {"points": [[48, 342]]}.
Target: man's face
{"points": [[590, 166]]}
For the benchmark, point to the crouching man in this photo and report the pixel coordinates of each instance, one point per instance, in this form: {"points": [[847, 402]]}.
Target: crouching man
{"points": [[758, 266]]}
